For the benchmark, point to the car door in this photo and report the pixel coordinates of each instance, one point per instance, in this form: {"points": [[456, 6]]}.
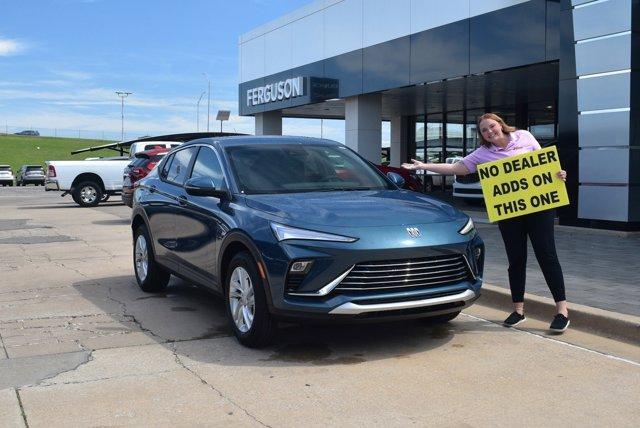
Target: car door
{"points": [[201, 222], [163, 205]]}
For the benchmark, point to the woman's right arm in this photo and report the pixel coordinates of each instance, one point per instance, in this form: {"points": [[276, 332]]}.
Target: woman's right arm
{"points": [[457, 168]]}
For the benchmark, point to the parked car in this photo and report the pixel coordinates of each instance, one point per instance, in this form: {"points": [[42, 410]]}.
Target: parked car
{"points": [[28, 132], [30, 174], [88, 181], [271, 225], [411, 181], [6, 175], [142, 164], [434, 180], [142, 146], [468, 188]]}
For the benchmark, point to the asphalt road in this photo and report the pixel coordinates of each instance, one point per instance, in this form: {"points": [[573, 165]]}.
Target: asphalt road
{"points": [[83, 346]]}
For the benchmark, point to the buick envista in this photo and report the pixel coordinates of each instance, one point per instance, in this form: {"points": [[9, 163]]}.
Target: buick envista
{"points": [[292, 228]]}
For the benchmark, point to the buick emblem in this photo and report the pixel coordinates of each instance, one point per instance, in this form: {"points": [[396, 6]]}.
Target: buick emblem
{"points": [[413, 232]]}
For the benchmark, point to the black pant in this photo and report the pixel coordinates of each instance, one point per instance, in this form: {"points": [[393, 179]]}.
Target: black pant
{"points": [[539, 227]]}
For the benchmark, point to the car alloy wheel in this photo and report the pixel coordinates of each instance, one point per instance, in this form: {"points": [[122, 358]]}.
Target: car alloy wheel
{"points": [[242, 299], [141, 258], [88, 194]]}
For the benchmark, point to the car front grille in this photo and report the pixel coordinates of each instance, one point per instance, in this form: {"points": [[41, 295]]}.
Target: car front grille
{"points": [[468, 179], [394, 275]]}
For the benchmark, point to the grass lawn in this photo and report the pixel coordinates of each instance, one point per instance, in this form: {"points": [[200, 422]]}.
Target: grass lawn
{"points": [[18, 150]]}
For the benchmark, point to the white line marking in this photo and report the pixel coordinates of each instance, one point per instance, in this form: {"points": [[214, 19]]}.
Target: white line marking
{"points": [[613, 357]]}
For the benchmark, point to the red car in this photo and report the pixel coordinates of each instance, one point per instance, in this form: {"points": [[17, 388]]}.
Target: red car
{"points": [[142, 165], [411, 181]]}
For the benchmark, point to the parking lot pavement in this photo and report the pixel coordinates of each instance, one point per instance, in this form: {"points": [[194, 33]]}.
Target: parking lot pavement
{"points": [[82, 345]]}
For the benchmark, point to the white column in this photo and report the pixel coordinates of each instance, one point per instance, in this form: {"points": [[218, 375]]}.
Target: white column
{"points": [[363, 125], [269, 123], [399, 148]]}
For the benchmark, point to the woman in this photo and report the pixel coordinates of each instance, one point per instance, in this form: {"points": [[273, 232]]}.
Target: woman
{"points": [[498, 142]]}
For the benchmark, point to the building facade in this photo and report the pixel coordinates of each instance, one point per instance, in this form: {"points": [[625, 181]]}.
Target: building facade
{"points": [[565, 70]]}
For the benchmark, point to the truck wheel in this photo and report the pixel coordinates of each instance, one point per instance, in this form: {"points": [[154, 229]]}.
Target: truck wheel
{"points": [[150, 276], [87, 194], [246, 303]]}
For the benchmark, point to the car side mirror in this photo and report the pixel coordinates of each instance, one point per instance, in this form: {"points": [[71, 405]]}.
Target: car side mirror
{"points": [[204, 186], [396, 178]]}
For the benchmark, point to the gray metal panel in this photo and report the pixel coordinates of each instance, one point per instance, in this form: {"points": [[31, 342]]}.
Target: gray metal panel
{"points": [[606, 92], [604, 129], [605, 165], [603, 55], [591, 206], [601, 19]]}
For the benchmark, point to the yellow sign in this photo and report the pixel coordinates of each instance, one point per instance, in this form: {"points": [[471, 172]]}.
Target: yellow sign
{"points": [[522, 184]]}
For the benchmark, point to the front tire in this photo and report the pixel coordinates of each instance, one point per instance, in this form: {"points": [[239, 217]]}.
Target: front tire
{"points": [[246, 303], [87, 194], [150, 276]]}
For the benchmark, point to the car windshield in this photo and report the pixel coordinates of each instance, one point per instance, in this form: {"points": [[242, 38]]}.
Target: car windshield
{"points": [[293, 168], [35, 168], [5, 168]]}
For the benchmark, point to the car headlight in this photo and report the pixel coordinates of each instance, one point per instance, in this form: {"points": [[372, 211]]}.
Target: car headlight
{"points": [[283, 233], [468, 228]]}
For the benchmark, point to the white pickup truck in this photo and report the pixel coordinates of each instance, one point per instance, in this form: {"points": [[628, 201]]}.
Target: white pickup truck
{"points": [[88, 181]]}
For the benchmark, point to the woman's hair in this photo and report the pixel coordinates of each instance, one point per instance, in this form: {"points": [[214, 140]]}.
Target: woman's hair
{"points": [[505, 128]]}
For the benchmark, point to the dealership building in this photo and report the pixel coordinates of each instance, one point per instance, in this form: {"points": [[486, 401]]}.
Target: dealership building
{"points": [[566, 70]]}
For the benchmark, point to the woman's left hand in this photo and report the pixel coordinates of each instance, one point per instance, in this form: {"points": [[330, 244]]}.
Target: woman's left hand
{"points": [[562, 175]]}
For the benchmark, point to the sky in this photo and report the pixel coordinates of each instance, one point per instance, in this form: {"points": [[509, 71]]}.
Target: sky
{"points": [[61, 62]]}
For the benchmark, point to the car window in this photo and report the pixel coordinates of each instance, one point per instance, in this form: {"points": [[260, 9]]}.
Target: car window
{"points": [[34, 168], [179, 169], [5, 168], [166, 166], [207, 165], [289, 168]]}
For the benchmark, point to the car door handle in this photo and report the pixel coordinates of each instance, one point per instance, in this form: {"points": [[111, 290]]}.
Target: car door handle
{"points": [[182, 200]]}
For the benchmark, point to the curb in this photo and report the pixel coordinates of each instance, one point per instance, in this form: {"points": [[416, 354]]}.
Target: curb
{"points": [[605, 323]]}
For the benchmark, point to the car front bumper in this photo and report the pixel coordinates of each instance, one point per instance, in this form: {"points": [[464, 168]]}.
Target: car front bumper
{"points": [[388, 301]]}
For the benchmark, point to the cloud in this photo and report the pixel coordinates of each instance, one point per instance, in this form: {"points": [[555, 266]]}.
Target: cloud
{"points": [[11, 47]]}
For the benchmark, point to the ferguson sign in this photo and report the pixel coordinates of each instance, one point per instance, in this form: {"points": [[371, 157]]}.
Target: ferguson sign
{"points": [[272, 92]]}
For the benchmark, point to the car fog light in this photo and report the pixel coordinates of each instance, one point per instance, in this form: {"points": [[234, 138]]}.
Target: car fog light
{"points": [[478, 253], [300, 267]]}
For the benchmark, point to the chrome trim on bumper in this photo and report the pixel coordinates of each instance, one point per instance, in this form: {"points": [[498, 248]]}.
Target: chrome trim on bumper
{"points": [[327, 288], [469, 266], [355, 309]]}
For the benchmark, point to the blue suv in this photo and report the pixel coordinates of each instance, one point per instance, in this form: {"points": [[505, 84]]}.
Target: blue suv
{"points": [[293, 228]]}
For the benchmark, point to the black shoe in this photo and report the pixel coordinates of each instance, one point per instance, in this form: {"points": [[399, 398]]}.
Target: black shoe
{"points": [[559, 323], [514, 319]]}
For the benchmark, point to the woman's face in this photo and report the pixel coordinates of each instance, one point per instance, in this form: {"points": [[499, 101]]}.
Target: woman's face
{"points": [[490, 130]]}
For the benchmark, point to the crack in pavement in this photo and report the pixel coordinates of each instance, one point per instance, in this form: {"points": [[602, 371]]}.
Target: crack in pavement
{"points": [[132, 317], [22, 411], [213, 388]]}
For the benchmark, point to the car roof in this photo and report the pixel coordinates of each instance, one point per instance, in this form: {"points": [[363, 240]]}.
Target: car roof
{"points": [[263, 139]]}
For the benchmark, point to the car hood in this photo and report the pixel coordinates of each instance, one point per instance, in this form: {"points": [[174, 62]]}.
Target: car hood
{"points": [[355, 208]]}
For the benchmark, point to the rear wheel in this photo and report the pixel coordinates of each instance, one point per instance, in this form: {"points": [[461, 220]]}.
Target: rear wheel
{"points": [[87, 194], [150, 276], [246, 303]]}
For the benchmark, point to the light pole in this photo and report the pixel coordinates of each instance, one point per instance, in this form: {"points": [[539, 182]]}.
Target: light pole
{"points": [[122, 96], [208, 98], [198, 111]]}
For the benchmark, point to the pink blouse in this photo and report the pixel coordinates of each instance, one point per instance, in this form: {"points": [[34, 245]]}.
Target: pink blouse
{"points": [[520, 141]]}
